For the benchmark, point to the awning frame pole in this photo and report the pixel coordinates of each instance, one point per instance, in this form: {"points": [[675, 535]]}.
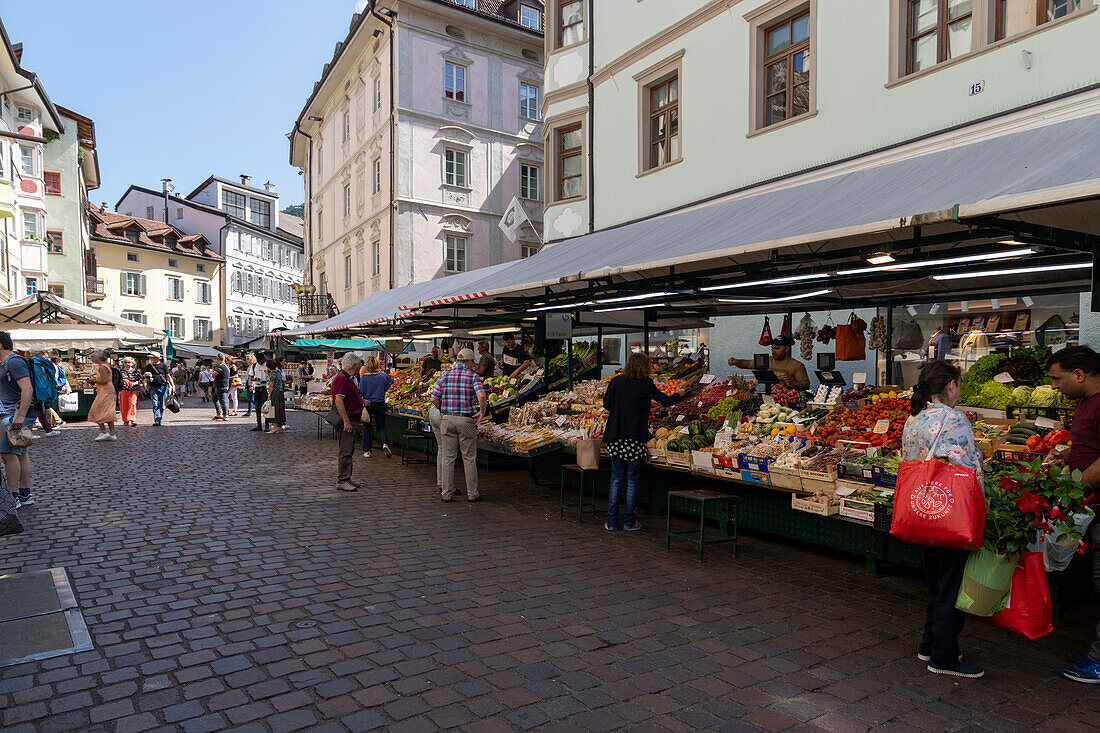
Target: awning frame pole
{"points": [[889, 342]]}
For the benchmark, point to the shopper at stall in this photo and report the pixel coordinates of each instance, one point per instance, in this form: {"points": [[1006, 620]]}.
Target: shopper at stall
{"points": [[435, 419], [305, 373], [461, 398], [179, 379], [219, 387], [249, 387], [373, 386], [206, 381], [258, 374], [1075, 372], [431, 363], [514, 358], [791, 372], [102, 411], [276, 384], [486, 364], [938, 430], [37, 355], [233, 395], [348, 402], [63, 386], [128, 395], [16, 395], [628, 399], [158, 381]]}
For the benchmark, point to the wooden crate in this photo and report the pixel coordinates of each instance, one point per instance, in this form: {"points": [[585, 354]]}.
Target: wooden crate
{"points": [[786, 478], [702, 462], [678, 460], [822, 506]]}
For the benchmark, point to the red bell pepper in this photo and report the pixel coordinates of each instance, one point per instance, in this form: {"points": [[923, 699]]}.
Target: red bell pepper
{"points": [[1057, 437], [1035, 443]]}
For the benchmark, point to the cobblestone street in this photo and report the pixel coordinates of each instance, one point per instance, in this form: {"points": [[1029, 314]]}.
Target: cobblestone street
{"points": [[227, 585]]}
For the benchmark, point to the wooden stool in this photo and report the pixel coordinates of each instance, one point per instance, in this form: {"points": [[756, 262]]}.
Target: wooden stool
{"points": [[573, 475], [696, 500]]}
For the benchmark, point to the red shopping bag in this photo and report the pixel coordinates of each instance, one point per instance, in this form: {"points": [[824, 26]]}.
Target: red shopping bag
{"points": [[938, 504], [1028, 611]]}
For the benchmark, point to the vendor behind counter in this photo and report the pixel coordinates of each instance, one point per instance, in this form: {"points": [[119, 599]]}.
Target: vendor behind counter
{"points": [[791, 372]]}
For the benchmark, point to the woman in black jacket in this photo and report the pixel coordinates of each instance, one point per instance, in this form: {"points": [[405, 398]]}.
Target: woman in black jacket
{"points": [[627, 399]]}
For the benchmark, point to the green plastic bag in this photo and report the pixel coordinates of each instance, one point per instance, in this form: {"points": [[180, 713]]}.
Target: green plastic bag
{"points": [[986, 582]]}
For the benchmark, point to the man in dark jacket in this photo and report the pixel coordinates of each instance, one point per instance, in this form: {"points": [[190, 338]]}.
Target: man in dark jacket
{"points": [[221, 388]]}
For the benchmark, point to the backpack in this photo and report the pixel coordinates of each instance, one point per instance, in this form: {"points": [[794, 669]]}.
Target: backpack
{"points": [[44, 379], [116, 379]]}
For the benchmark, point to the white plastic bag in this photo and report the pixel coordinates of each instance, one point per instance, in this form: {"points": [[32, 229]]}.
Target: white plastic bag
{"points": [[1058, 547], [268, 410], [69, 402]]}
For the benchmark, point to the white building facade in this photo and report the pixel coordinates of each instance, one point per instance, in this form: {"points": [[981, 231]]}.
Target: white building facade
{"points": [[421, 130], [262, 248], [693, 99]]}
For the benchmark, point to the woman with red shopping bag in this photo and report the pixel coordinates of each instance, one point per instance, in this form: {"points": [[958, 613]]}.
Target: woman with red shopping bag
{"points": [[937, 430]]}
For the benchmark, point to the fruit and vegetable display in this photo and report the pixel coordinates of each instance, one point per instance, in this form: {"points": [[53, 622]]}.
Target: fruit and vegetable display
{"points": [[500, 388], [1029, 385], [846, 424], [584, 357], [827, 394], [515, 439], [784, 395]]}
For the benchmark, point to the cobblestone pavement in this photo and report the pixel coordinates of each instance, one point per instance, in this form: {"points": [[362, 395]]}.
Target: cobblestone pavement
{"points": [[226, 584]]}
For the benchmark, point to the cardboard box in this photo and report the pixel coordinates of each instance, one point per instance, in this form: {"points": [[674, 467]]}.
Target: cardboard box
{"points": [[752, 463], [822, 506], [726, 466], [756, 477], [882, 479], [786, 478], [702, 462]]}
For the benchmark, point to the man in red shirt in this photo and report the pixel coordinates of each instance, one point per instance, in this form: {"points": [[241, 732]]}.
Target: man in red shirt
{"points": [[349, 404], [1075, 372]]}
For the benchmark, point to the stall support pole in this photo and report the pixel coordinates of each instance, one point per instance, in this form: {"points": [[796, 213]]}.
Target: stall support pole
{"points": [[645, 332], [569, 362], [889, 342], [599, 349]]}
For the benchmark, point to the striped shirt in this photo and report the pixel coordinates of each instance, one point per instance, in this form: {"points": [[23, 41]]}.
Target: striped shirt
{"points": [[457, 391]]}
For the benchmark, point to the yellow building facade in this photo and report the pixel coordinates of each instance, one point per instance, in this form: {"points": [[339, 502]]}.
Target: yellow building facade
{"points": [[154, 274]]}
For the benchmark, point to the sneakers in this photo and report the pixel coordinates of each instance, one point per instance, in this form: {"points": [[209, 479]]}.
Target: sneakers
{"points": [[25, 500], [112, 438], [928, 657], [1085, 670], [634, 527], [102, 436], [366, 454], [474, 499], [387, 451], [346, 486], [607, 527], [51, 434], [962, 669]]}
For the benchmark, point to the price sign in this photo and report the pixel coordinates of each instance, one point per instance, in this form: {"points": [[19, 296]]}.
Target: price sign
{"points": [[562, 420], [768, 399], [1045, 422], [679, 418], [881, 427], [729, 393], [699, 403], [723, 438], [845, 491], [1003, 378], [859, 378], [706, 379], [888, 493], [684, 430]]}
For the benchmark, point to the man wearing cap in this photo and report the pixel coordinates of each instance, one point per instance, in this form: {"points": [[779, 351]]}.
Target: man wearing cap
{"points": [[158, 381], [460, 397], [791, 372]]}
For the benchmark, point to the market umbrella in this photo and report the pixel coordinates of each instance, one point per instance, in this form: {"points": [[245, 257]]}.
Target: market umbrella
{"points": [[169, 352]]}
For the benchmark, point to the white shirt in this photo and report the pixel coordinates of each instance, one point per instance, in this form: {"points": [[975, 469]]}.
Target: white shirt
{"points": [[259, 374]]}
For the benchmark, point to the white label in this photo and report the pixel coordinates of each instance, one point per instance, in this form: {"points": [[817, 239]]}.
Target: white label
{"points": [[859, 378], [1003, 378], [706, 379], [769, 400], [888, 493], [699, 403], [722, 439], [679, 418], [1045, 422], [881, 427], [562, 420], [684, 430], [845, 491], [729, 393], [89, 391], [977, 87]]}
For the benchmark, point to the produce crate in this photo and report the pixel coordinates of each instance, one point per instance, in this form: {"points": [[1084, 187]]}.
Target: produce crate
{"points": [[726, 466], [874, 513], [1062, 414], [752, 463], [1008, 455], [656, 455], [702, 462], [786, 478], [756, 477], [678, 460], [883, 479], [856, 486], [819, 505], [856, 471]]}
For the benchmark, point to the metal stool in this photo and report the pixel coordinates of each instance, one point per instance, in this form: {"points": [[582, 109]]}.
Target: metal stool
{"points": [[576, 477], [697, 500]]}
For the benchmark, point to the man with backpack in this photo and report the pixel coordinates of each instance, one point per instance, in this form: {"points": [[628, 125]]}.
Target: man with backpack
{"points": [[159, 382], [46, 388], [16, 397]]}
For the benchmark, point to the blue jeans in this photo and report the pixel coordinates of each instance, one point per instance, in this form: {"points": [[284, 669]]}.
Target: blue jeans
{"points": [[377, 413], [632, 470], [159, 396], [249, 394]]}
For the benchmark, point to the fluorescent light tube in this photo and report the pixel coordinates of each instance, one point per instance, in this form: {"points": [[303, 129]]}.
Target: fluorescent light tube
{"points": [[936, 263], [772, 281], [488, 331], [631, 307], [626, 298], [1014, 271], [559, 307], [777, 300]]}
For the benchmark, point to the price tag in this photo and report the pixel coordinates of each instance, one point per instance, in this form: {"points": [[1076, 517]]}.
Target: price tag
{"points": [[679, 418], [89, 391], [845, 491], [768, 399], [859, 378], [562, 420], [722, 439], [699, 403], [813, 428], [684, 430], [729, 393], [1003, 378], [881, 427], [1045, 422], [888, 493], [706, 379]]}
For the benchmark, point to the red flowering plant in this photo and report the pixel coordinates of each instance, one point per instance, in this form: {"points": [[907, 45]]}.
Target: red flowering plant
{"points": [[1027, 501]]}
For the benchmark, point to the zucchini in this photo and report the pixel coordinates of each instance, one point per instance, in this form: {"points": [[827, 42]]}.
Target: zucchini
{"points": [[1025, 429], [1016, 440]]}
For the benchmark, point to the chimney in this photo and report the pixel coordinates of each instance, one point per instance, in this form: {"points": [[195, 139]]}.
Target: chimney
{"points": [[269, 187], [246, 180], [103, 206]]}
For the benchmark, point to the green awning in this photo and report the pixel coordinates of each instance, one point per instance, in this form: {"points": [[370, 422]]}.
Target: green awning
{"points": [[339, 345]]}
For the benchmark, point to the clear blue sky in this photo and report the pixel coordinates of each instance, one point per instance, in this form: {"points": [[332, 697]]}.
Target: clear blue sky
{"points": [[183, 90]]}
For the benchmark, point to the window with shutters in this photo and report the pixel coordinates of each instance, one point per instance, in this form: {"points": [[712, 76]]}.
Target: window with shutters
{"points": [[203, 329], [136, 316], [376, 258], [173, 288], [203, 291], [347, 271], [174, 325], [133, 283]]}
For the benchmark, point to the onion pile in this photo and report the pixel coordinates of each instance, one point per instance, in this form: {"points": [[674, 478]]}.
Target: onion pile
{"points": [[876, 336]]}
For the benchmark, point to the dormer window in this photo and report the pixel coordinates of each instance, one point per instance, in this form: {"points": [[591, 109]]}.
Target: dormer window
{"points": [[261, 213], [25, 114], [233, 203], [471, 4], [132, 236], [530, 17]]}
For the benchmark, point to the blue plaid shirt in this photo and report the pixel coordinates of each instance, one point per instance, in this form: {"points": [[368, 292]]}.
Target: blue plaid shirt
{"points": [[457, 391]]}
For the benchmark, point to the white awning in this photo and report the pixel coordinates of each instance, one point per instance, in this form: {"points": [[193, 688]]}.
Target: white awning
{"points": [[80, 337]]}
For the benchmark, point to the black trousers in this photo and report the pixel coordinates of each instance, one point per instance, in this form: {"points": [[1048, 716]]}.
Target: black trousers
{"points": [[258, 399], [943, 571]]}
